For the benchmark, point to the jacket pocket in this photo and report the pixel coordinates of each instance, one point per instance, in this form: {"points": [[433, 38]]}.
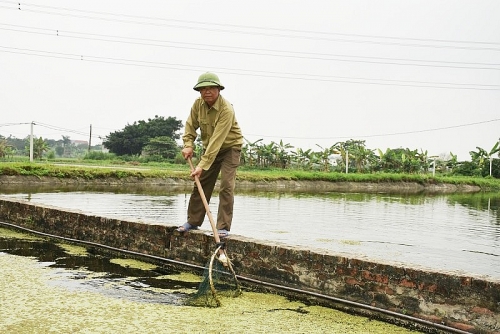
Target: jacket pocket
{"points": [[205, 127]]}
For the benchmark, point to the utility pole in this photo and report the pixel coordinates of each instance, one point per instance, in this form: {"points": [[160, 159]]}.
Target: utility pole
{"points": [[346, 161], [31, 142], [90, 137], [434, 157]]}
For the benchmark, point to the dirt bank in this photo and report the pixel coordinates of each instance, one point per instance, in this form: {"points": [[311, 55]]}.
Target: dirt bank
{"points": [[8, 182]]}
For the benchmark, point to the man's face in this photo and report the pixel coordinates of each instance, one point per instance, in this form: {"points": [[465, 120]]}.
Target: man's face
{"points": [[209, 94]]}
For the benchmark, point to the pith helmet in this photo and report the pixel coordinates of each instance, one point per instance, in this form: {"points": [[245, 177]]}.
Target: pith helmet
{"points": [[208, 79]]}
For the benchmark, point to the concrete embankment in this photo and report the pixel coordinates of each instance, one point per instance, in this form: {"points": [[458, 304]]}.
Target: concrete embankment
{"points": [[465, 303], [17, 181]]}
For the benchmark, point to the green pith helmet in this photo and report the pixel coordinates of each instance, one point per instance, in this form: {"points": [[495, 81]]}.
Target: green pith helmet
{"points": [[208, 79]]}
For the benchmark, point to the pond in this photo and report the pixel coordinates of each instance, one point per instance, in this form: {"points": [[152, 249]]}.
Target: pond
{"points": [[457, 233], [53, 287]]}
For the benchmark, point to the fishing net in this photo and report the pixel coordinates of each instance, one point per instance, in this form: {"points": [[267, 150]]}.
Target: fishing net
{"points": [[219, 280]]}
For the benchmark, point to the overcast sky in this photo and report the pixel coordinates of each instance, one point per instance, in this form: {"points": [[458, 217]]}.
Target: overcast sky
{"points": [[422, 75]]}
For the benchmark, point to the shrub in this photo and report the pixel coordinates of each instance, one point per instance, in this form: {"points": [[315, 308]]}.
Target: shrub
{"points": [[99, 155], [467, 168]]}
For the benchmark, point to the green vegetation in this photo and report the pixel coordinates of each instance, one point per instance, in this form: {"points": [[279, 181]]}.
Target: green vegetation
{"points": [[155, 135], [37, 300], [89, 171], [92, 170], [153, 143]]}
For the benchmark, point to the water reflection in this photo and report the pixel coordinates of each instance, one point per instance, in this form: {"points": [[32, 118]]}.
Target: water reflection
{"points": [[459, 233], [96, 271], [482, 202], [135, 188]]}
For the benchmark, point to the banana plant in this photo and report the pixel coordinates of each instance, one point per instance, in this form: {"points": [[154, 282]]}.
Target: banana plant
{"points": [[453, 161], [249, 152], [302, 159], [40, 146], [324, 157], [267, 154], [481, 155], [283, 157]]}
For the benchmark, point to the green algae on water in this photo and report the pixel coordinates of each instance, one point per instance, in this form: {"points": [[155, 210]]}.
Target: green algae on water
{"points": [[74, 250], [185, 277], [34, 301], [31, 305], [132, 263], [12, 234]]}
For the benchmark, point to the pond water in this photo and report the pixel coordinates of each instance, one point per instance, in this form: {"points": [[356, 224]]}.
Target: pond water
{"points": [[449, 233], [50, 287]]}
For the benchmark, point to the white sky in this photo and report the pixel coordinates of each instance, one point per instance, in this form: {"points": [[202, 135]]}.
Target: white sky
{"points": [[422, 75]]}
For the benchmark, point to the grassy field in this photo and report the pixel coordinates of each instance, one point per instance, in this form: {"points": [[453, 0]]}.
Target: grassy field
{"points": [[90, 170]]}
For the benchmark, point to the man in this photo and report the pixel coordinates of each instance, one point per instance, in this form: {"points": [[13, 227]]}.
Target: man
{"points": [[222, 140]]}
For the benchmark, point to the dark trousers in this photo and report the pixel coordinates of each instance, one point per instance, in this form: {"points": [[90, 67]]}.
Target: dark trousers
{"points": [[226, 163]]}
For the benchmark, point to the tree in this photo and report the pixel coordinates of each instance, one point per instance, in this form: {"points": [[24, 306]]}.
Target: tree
{"points": [[40, 146], [324, 157], [452, 162], [66, 146], [17, 144], [133, 138], [467, 168], [362, 156], [248, 152], [5, 148], [356, 151], [303, 159], [392, 160], [266, 154], [163, 146], [59, 150], [481, 155], [283, 156]]}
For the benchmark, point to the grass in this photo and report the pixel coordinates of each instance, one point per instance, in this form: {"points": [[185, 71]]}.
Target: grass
{"points": [[91, 170], [86, 171]]}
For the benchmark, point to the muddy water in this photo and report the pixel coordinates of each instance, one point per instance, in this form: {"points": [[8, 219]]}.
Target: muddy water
{"points": [[59, 288], [451, 233]]}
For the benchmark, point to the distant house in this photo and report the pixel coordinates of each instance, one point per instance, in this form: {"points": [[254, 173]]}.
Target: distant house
{"points": [[80, 142]]}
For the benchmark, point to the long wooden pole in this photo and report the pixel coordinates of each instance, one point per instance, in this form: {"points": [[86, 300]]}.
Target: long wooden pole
{"points": [[205, 203]]}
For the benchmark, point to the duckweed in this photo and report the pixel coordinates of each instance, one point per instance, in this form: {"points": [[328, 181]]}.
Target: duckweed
{"points": [[131, 263], [185, 277], [73, 249], [11, 234], [32, 303]]}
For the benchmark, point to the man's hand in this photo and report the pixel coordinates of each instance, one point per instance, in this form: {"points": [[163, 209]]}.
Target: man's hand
{"points": [[197, 172], [187, 152]]}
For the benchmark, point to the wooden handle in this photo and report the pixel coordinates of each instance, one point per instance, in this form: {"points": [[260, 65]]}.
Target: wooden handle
{"points": [[205, 203]]}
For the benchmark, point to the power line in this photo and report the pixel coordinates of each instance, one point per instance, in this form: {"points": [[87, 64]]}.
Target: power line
{"points": [[258, 52], [382, 135], [55, 128], [60, 129], [250, 51], [263, 31], [52, 127], [12, 124], [266, 74]]}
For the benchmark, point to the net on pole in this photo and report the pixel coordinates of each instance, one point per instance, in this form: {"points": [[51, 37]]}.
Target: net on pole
{"points": [[219, 281]]}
